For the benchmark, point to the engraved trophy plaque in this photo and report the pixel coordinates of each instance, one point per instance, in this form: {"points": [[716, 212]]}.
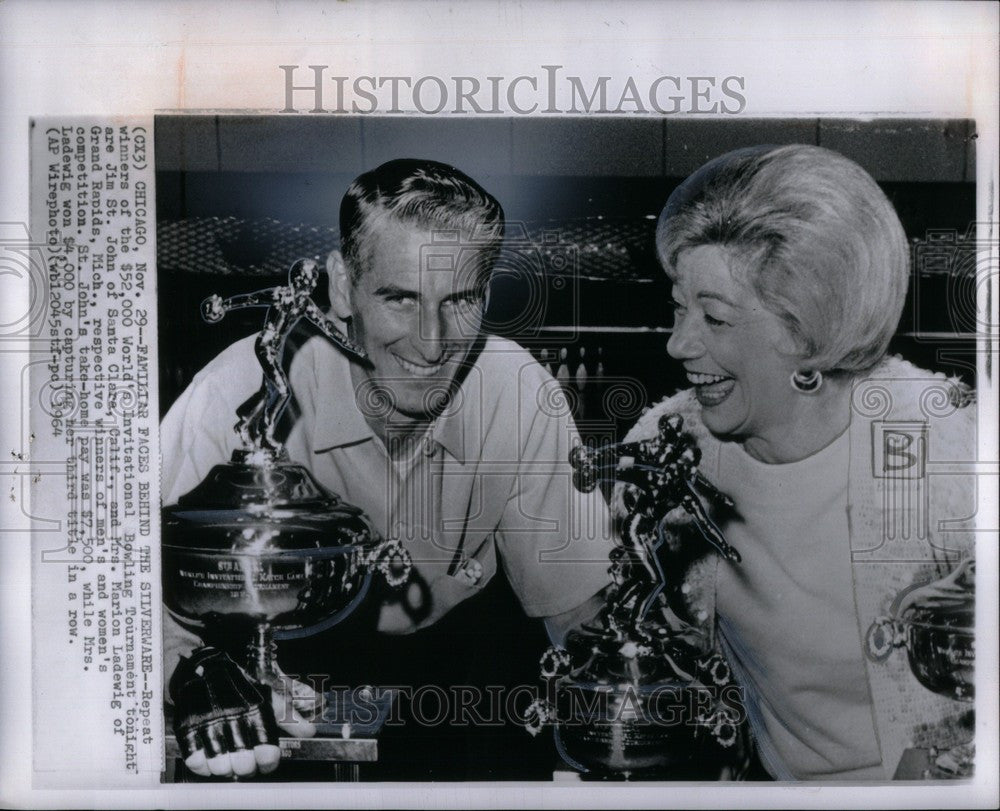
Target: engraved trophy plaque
{"points": [[259, 548], [637, 693]]}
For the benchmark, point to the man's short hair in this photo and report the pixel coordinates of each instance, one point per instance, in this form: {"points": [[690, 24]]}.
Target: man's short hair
{"points": [[423, 193], [812, 234]]}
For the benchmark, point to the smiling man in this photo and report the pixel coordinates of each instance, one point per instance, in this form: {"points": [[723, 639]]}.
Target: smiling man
{"points": [[440, 437], [418, 247]]}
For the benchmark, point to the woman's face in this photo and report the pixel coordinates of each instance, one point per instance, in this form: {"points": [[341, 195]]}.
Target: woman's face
{"points": [[737, 355]]}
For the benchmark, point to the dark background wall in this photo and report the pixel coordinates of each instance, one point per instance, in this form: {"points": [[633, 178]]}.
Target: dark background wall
{"points": [[242, 196]]}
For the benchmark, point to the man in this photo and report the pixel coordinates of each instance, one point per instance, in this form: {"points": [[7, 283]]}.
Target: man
{"points": [[448, 439]]}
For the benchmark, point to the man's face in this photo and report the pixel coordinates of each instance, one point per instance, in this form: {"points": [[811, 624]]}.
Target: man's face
{"points": [[416, 310]]}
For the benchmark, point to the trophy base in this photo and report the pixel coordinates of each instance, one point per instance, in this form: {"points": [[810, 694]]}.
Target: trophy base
{"points": [[652, 755], [647, 732]]}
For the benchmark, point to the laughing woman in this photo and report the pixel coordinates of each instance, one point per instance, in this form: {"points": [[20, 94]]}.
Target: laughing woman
{"points": [[789, 270]]}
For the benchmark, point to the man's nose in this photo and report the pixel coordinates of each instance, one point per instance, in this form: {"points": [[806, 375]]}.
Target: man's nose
{"points": [[685, 342], [430, 338]]}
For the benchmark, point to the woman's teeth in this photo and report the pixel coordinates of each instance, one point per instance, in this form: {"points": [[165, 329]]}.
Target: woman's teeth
{"points": [[698, 379], [418, 369], [710, 390]]}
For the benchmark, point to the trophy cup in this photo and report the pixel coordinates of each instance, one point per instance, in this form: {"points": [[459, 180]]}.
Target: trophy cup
{"points": [[935, 623], [637, 693], [259, 549]]}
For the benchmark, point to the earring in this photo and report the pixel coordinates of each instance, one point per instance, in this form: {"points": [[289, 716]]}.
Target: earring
{"points": [[807, 382]]}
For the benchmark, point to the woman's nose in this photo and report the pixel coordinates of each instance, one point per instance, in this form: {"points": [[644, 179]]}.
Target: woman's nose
{"points": [[684, 342]]}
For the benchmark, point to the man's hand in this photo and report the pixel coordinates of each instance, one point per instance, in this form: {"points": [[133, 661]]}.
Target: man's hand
{"points": [[228, 725]]}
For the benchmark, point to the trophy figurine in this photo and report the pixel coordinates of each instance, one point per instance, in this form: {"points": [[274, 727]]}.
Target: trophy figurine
{"points": [[638, 693], [259, 548], [935, 623]]}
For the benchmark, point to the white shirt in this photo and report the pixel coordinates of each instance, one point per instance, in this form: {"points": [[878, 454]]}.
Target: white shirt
{"points": [[492, 478], [787, 614]]}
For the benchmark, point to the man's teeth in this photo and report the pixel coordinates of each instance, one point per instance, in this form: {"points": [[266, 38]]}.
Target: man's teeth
{"points": [[418, 369], [697, 379]]}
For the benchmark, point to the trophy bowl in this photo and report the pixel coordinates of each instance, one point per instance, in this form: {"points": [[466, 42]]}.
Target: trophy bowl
{"points": [[941, 648], [936, 623], [638, 732], [622, 715], [259, 550], [263, 544]]}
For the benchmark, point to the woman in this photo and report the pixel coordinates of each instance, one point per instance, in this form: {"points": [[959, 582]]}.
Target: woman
{"points": [[789, 269]]}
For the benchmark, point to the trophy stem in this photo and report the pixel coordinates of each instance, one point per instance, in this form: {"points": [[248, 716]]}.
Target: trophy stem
{"points": [[260, 657]]}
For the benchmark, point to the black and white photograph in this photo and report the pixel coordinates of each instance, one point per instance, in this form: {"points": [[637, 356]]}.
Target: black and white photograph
{"points": [[716, 328], [433, 405]]}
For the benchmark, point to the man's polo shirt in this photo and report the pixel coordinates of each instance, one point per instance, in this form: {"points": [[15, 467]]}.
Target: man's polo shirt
{"points": [[490, 479]]}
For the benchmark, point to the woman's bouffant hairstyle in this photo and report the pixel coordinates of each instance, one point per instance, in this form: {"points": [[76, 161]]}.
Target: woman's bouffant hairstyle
{"points": [[425, 193], [812, 234]]}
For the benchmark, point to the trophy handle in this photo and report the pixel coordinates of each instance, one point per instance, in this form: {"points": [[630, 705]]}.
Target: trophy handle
{"points": [[883, 636], [390, 559], [393, 563], [887, 633]]}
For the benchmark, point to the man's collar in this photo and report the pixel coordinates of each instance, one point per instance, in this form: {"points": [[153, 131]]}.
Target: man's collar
{"points": [[340, 422], [448, 429]]}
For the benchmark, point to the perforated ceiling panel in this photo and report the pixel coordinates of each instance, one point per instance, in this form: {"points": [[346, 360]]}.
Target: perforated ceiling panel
{"points": [[595, 247]]}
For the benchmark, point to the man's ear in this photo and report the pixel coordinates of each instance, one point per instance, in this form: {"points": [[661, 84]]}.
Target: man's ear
{"points": [[340, 285]]}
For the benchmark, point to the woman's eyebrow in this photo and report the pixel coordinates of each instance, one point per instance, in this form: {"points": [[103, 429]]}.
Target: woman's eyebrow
{"points": [[717, 297]]}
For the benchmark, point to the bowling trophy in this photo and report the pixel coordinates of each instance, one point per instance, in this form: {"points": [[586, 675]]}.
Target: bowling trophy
{"points": [[639, 692], [935, 623], [259, 549]]}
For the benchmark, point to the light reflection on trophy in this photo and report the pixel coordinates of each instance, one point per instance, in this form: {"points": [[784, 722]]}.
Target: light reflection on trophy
{"points": [[260, 548], [636, 693], [935, 623]]}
